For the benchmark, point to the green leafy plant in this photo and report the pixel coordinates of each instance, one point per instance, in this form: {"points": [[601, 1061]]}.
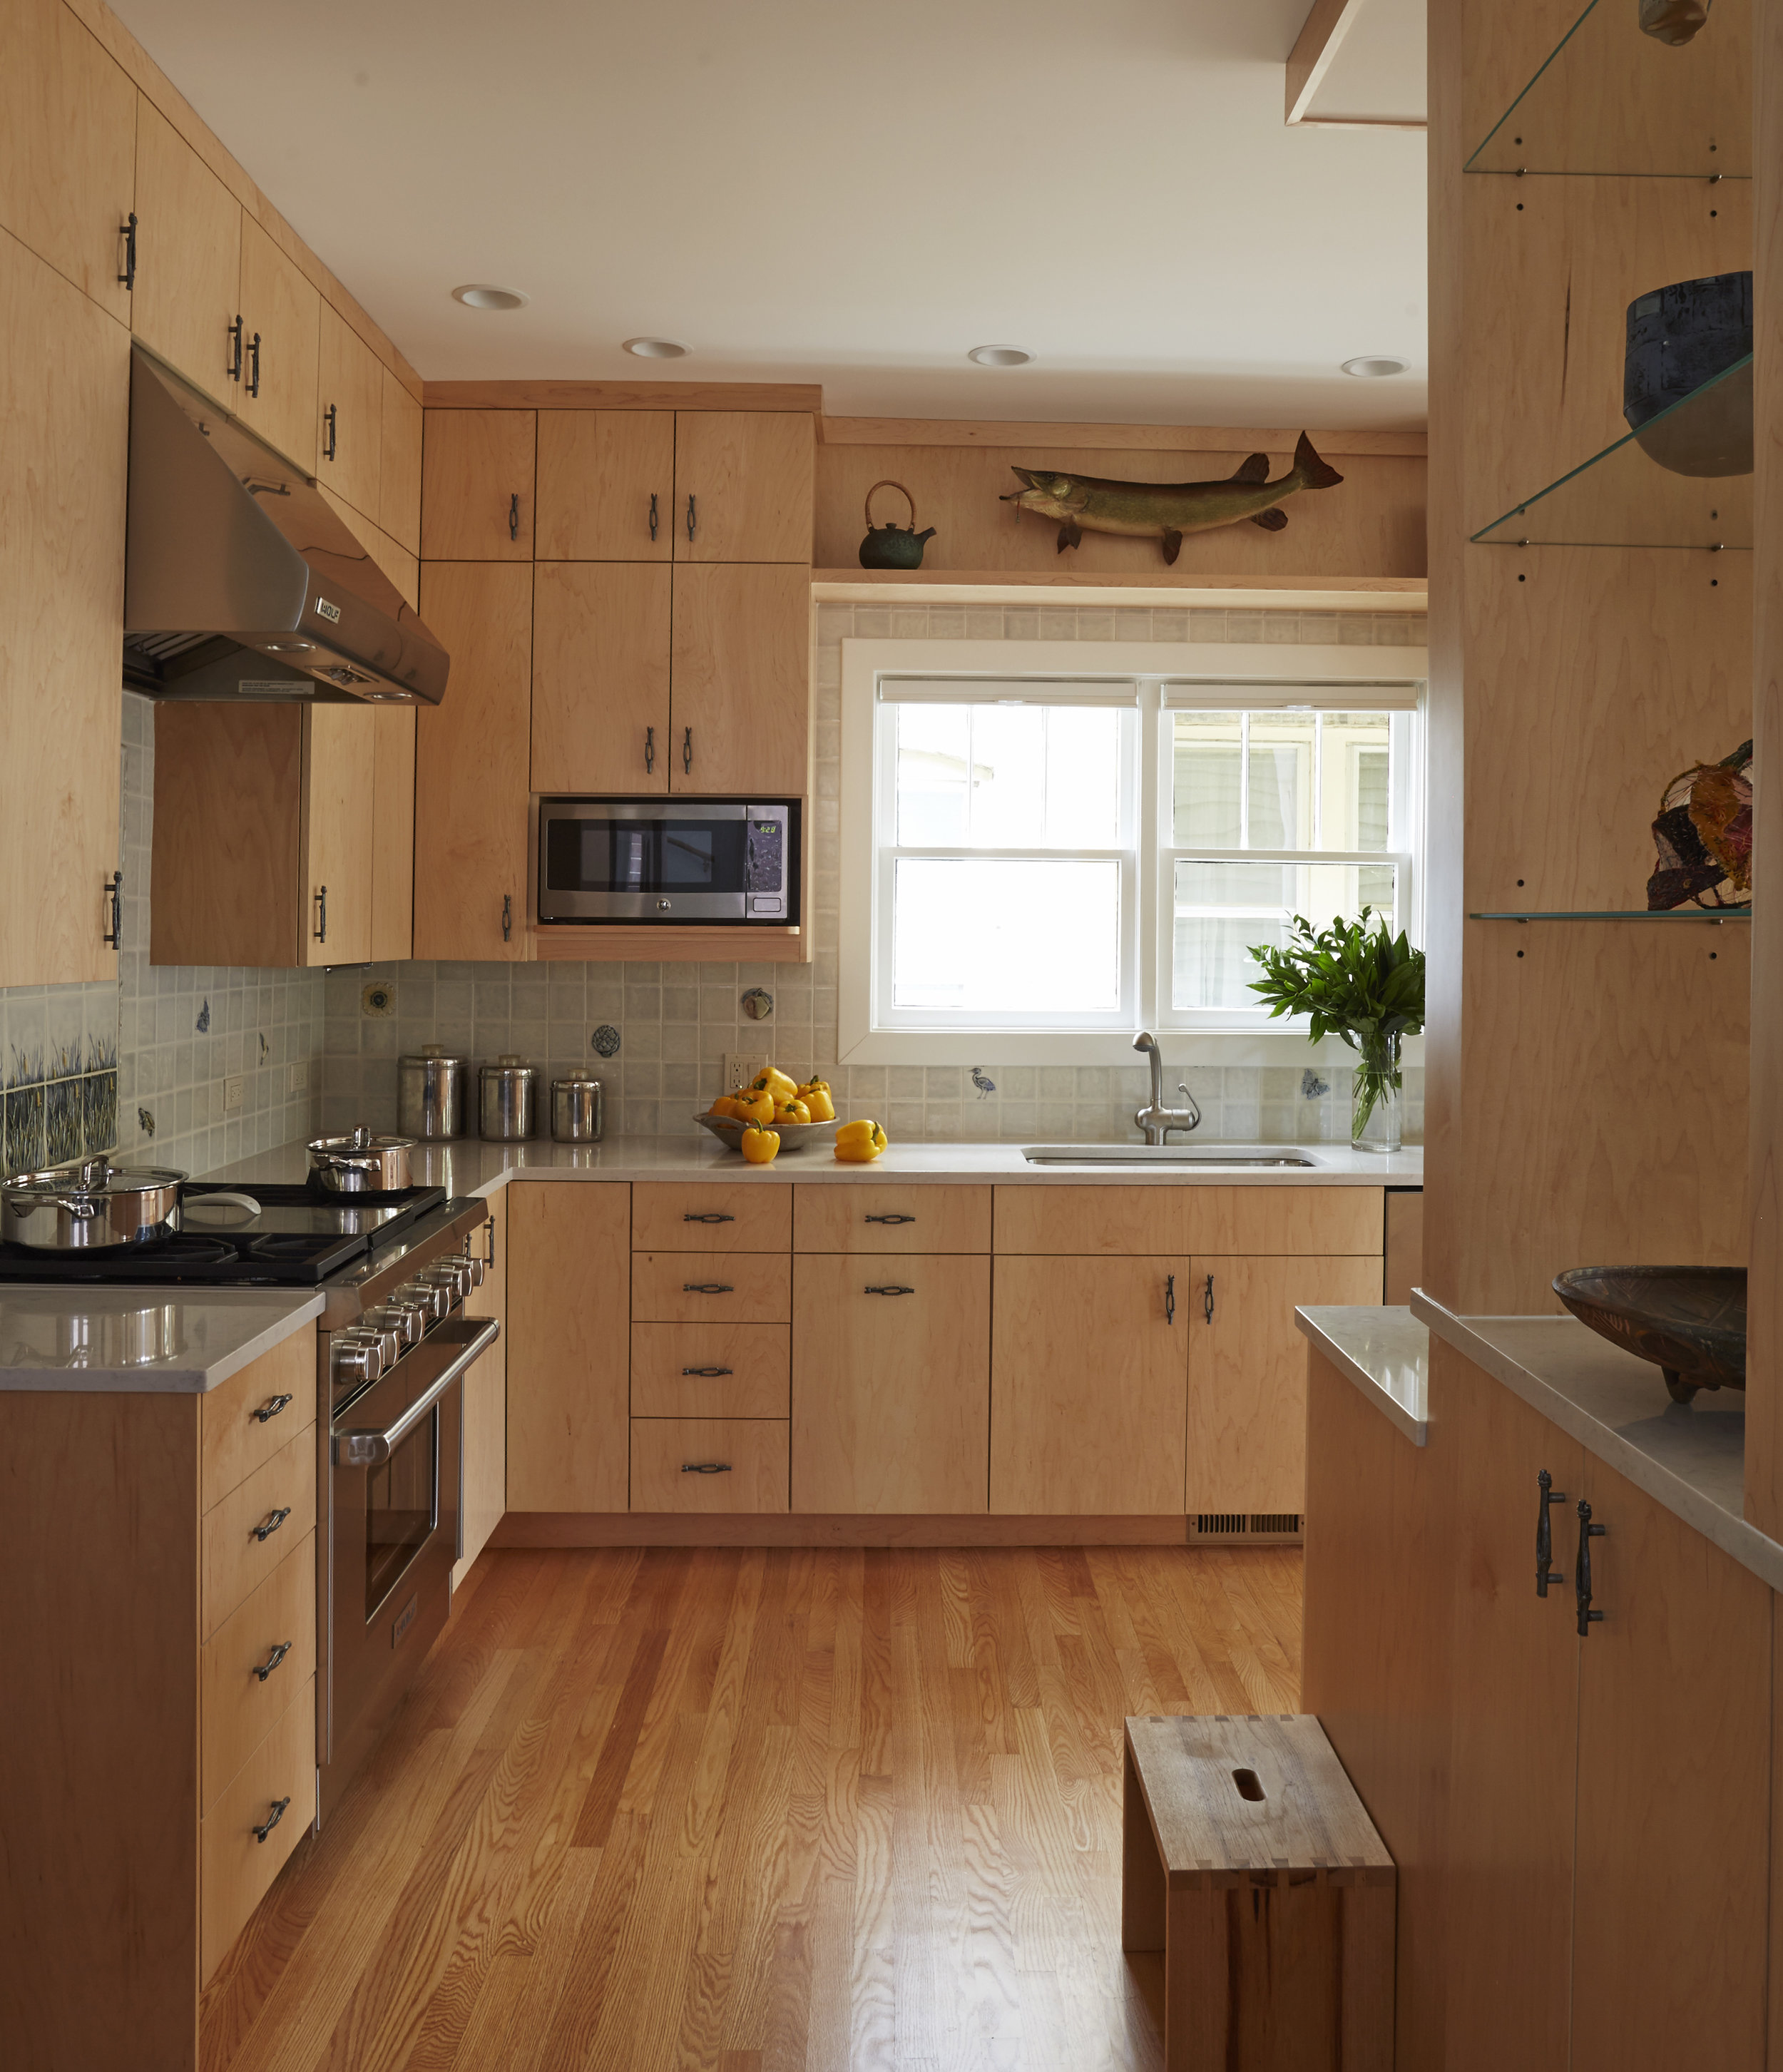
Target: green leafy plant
{"points": [[1354, 982]]}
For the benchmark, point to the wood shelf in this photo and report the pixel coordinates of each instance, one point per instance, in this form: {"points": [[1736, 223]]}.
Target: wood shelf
{"points": [[736, 942], [990, 585]]}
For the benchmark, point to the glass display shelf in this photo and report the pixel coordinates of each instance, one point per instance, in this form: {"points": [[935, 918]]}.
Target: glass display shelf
{"points": [[1622, 497], [1610, 99], [1718, 914]]}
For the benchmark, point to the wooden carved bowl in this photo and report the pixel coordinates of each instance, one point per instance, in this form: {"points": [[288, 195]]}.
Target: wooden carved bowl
{"points": [[1689, 1321]]}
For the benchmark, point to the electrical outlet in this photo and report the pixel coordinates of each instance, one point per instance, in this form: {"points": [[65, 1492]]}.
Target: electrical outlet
{"points": [[741, 1067], [231, 1095], [300, 1075]]}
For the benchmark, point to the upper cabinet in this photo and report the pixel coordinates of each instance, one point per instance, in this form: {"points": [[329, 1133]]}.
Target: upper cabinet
{"points": [[188, 259], [740, 673], [743, 486], [280, 316], [477, 470], [350, 417], [607, 485], [67, 150], [399, 469]]}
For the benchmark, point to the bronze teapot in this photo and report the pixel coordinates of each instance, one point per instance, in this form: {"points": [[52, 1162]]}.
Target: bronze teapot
{"points": [[890, 546]]}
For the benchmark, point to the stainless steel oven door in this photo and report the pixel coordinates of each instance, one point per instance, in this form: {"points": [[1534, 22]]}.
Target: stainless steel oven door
{"points": [[394, 1490], [667, 860]]}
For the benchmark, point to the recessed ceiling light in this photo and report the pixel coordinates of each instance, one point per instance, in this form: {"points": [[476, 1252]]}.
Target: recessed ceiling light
{"points": [[479, 295], [1375, 367], [1000, 356], [657, 348]]}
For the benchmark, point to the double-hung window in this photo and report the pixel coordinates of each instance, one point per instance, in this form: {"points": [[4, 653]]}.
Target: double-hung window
{"points": [[1044, 847]]}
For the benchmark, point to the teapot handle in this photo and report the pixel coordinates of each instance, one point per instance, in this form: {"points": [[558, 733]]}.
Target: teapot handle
{"points": [[902, 491]]}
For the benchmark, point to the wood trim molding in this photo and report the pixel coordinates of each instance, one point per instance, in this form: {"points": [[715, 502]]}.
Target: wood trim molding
{"points": [[997, 585], [799, 396], [564, 944], [560, 1529], [1093, 438]]}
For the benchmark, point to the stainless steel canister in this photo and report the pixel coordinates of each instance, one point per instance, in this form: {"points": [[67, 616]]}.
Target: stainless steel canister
{"points": [[431, 1094], [507, 1101], [577, 1101]]}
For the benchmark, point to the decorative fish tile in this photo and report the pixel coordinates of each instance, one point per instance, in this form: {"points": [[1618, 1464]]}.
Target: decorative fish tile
{"points": [[24, 1128], [61, 1121], [98, 1111]]}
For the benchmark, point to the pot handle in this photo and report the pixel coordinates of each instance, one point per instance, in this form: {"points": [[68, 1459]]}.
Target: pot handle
{"points": [[888, 483]]}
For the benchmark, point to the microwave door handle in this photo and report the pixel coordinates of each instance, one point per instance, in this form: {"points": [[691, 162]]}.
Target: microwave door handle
{"points": [[371, 1449]]}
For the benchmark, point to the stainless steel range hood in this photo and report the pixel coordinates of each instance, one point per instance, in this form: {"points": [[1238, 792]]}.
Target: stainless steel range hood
{"points": [[241, 581]]}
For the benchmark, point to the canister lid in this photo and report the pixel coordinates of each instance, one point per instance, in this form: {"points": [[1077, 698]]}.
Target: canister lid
{"points": [[432, 1054], [509, 1065], [577, 1076]]}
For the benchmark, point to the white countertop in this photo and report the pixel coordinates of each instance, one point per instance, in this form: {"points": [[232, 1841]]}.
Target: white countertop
{"points": [[467, 1166], [168, 1341], [1691, 1457], [1385, 1350]]}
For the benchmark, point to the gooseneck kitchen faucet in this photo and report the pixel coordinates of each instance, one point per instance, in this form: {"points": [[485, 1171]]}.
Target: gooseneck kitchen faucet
{"points": [[1155, 1118]]}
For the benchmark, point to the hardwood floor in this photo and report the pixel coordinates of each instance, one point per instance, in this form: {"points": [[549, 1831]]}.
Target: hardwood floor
{"points": [[753, 1810]]}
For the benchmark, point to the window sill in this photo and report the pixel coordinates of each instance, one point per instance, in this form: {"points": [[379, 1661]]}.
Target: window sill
{"points": [[1182, 1048]]}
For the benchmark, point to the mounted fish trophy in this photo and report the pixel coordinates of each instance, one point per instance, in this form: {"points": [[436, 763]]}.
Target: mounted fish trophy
{"points": [[1164, 511]]}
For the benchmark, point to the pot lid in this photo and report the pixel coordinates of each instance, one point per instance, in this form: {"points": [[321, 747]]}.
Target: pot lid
{"points": [[361, 1140], [94, 1177]]}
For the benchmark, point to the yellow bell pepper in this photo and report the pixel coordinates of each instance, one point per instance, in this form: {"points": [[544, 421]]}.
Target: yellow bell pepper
{"points": [[724, 1105], [753, 1107], [774, 1082], [791, 1110], [856, 1143], [816, 1095], [760, 1146]]}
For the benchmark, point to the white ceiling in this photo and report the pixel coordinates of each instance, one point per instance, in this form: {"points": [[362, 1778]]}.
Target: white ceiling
{"points": [[831, 190]]}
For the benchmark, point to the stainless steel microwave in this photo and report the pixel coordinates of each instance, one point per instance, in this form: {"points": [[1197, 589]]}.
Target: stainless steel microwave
{"points": [[668, 860]]}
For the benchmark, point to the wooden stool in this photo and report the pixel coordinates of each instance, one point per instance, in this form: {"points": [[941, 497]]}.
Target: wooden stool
{"points": [[1249, 1863]]}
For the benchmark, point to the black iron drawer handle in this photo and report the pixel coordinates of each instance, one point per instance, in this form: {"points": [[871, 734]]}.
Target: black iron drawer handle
{"points": [[891, 1287], [513, 516], [270, 1409], [707, 1288], [653, 514], [686, 751], [709, 1373], [1207, 1300], [650, 749], [331, 418], [1169, 1298], [233, 367], [1581, 1573], [321, 897], [691, 521], [272, 1820], [1545, 1573], [706, 1216], [114, 900], [274, 1520], [127, 231], [253, 354], [705, 1467], [890, 1219], [265, 1668]]}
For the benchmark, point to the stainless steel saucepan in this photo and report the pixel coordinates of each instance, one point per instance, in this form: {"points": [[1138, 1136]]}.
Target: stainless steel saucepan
{"points": [[93, 1206], [360, 1163]]}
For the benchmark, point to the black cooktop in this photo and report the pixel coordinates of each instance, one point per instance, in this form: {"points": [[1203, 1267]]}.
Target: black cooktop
{"points": [[242, 1236]]}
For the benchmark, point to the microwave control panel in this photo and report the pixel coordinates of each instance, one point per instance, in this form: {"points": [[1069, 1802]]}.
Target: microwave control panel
{"points": [[765, 866]]}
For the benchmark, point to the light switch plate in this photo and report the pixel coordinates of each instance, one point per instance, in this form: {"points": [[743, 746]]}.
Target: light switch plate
{"points": [[231, 1095], [741, 1067]]}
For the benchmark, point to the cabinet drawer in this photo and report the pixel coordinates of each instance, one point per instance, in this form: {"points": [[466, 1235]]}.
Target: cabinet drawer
{"points": [[243, 1424], [235, 1865], [750, 1455], [842, 1217], [711, 1287], [1144, 1219], [237, 1707], [237, 1560], [712, 1216], [711, 1370]]}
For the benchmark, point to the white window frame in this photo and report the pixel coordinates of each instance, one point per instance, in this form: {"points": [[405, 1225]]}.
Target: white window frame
{"points": [[1166, 675]]}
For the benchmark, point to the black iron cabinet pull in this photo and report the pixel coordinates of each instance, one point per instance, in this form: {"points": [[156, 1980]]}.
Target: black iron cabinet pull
{"points": [[328, 418], [705, 1467], [1169, 1298], [513, 516], [253, 352], [1545, 1573], [891, 1287], [650, 749], [1581, 1573], [274, 1519], [321, 914], [889, 1220], [271, 1408], [507, 917], [653, 514], [707, 1216], [127, 231], [233, 366], [1207, 1299], [708, 1373], [707, 1288], [114, 899], [691, 519], [686, 751], [272, 1820], [264, 1669]]}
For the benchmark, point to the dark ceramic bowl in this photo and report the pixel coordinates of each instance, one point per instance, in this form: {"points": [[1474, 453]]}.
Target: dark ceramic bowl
{"points": [[1681, 338], [1689, 1321]]}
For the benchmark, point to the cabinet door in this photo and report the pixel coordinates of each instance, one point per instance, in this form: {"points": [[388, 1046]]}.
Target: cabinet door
{"points": [[471, 764], [476, 485], [64, 398], [188, 258], [891, 1383], [67, 149], [1247, 1375], [399, 466], [1674, 1724], [607, 485], [392, 833], [1514, 1700], [743, 486], [349, 416], [741, 681], [277, 395], [600, 677], [1089, 1387], [485, 1398], [338, 749], [568, 1345]]}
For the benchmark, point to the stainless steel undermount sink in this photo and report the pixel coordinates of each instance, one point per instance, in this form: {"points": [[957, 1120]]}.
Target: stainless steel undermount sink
{"points": [[1223, 1157]]}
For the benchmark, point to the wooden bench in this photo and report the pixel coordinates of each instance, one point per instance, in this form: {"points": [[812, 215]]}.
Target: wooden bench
{"points": [[1249, 1863]]}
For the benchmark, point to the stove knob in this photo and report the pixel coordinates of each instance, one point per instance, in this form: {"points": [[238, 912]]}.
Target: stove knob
{"points": [[478, 1268], [356, 1355], [408, 1320], [432, 1300], [454, 1274]]}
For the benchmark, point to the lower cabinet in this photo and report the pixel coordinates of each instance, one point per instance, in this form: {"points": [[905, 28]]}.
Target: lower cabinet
{"points": [[891, 1383], [485, 1416], [721, 1464]]}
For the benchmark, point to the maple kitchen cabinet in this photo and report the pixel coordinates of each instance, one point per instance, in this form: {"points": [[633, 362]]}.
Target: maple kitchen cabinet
{"points": [[485, 1415], [744, 485], [188, 259], [607, 485], [349, 448], [601, 711], [399, 466], [280, 315], [477, 483]]}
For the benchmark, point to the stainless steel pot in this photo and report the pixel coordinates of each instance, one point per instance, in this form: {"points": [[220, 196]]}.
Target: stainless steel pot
{"points": [[93, 1206], [359, 1163], [577, 1101], [508, 1099], [431, 1094]]}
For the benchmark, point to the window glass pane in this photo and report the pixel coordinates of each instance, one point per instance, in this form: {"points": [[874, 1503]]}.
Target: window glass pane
{"points": [[1205, 780], [1013, 776], [934, 797], [1222, 910], [1356, 780], [1279, 779], [998, 936]]}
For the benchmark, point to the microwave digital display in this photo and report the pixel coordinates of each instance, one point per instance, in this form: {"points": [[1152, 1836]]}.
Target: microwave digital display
{"points": [[660, 861]]}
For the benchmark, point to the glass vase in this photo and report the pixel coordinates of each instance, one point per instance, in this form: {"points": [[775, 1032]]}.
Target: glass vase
{"points": [[1377, 1098]]}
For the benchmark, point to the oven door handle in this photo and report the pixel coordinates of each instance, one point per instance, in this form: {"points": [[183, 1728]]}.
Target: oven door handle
{"points": [[371, 1449]]}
